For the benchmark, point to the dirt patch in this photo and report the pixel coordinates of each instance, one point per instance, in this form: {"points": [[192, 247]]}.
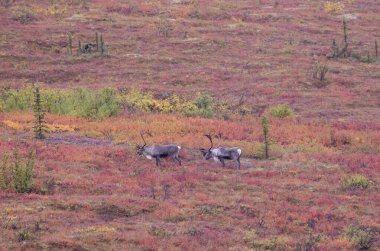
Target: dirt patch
{"points": [[64, 139]]}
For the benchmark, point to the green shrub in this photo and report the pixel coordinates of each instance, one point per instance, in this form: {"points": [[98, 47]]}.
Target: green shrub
{"points": [[244, 110], [362, 238], [79, 102], [107, 103], [24, 235], [311, 243], [160, 232], [54, 101], [357, 181], [23, 173], [281, 111], [83, 102], [192, 231], [204, 106], [5, 173], [279, 243], [189, 109], [17, 173], [24, 16], [19, 100]]}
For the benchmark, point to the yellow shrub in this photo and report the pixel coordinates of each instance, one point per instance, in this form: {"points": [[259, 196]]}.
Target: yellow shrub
{"points": [[181, 105], [51, 10], [357, 181], [237, 22], [162, 106], [50, 127], [13, 125], [97, 230], [175, 103], [60, 128], [140, 101], [333, 7], [281, 111]]}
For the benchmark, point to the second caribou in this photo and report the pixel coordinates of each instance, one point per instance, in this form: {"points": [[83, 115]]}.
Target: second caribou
{"points": [[221, 153]]}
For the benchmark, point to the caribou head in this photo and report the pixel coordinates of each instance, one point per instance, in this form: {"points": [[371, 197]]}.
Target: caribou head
{"points": [[158, 151], [221, 153], [141, 148]]}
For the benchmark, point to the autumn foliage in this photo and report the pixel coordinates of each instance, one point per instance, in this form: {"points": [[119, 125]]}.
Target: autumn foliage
{"points": [[181, 69]]}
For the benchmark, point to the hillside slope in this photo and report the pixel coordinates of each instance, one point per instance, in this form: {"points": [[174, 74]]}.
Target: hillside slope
{"points": [[318, 190], [265, 50]]}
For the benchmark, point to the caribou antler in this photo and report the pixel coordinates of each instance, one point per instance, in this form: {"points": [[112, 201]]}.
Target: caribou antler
{"points": [[149, 133], [219, 138], [210, 138], [142, 136]]}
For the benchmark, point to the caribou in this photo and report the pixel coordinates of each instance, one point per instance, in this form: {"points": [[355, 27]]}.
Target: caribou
{"points": [[158, 151], [221, 153]]}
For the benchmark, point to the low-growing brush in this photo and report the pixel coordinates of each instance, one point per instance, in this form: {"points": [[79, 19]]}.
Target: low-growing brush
{"points": [[23, 173], [356, 181], [17, 173]]}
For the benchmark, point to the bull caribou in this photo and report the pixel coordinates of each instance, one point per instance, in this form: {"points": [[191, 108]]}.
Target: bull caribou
{"points": [[158, 151], [221, 153]]}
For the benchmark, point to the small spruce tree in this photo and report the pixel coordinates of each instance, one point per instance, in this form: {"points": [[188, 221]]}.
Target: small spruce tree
{"points": [[101, 44], [69, 45], [337, 52], [79, 48], [368, 57], [345, 38], [40, 124], [97, 41], [335, 49], [345, 31], [264, 124]]}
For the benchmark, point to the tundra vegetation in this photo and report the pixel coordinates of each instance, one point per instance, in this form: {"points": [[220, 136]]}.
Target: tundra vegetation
{"points": [[106, 102], [302, 107], [16, 173]]}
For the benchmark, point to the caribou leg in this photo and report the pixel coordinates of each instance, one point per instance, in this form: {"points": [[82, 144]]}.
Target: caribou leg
{"points": [[178, 159], [175, 158], [238, 162], [158, 161], [222, 161]]}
